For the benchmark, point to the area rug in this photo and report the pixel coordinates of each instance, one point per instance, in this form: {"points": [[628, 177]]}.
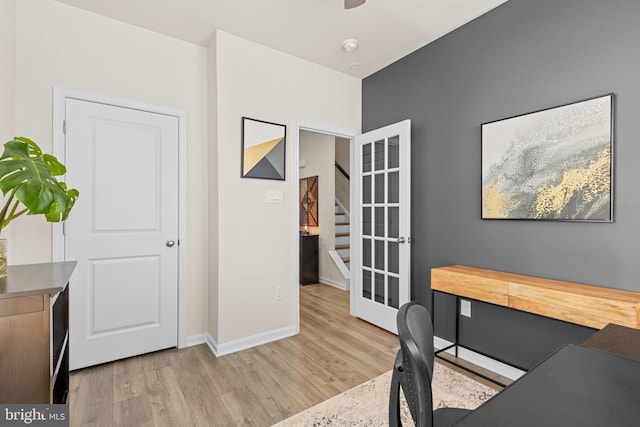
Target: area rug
{"points": [[368, 403]]}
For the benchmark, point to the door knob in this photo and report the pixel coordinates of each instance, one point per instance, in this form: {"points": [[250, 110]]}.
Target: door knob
{"points": [[170, 243], [400, 239]]}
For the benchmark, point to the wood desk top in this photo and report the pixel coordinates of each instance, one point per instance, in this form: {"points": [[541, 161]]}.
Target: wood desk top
{"points": [[587, 305]]}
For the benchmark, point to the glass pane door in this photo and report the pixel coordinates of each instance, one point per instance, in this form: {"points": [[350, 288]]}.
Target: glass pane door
{"points": [[381, 266], [380, 206]]}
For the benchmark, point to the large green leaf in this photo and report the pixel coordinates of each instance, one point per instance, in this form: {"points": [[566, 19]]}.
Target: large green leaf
{"points": [[29, 175]]}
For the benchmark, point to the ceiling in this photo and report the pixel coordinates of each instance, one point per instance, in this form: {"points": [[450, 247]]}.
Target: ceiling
{"points": [[386, 30]]}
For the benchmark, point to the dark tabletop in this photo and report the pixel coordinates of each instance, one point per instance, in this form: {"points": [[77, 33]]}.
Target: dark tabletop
{"points": [[575, 386]]}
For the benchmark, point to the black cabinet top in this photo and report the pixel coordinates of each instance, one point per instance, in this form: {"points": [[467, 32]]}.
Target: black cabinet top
{"points": [[36, 279]]}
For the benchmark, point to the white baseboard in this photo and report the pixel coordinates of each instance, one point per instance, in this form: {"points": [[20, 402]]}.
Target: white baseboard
{"points": [[211, 343], [480, 360], [344, 210], [196, 340], [248, 342], [344, 270], [333, 283]]}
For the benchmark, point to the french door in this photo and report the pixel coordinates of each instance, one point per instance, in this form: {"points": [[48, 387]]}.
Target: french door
{"points": [[381, 227]]}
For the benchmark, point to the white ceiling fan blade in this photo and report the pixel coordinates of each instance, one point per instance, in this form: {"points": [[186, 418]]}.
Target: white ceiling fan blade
{"points": [[350, 4]]}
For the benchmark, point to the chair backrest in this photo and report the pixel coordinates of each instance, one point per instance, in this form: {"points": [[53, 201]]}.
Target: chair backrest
{"points": [[415, 331]]}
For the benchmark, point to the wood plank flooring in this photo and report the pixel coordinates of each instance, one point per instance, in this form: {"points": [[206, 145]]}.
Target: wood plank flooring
{"points": [[257, 387]]}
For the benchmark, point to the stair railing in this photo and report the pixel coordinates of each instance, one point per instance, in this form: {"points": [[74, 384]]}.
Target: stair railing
{"points": [[342, 171]]}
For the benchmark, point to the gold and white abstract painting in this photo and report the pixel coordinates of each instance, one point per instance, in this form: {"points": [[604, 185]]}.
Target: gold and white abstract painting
{"points": [[554, 164]]}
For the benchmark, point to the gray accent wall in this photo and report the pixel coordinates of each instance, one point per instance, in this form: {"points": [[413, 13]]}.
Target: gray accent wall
{"points": [[520, 57]]}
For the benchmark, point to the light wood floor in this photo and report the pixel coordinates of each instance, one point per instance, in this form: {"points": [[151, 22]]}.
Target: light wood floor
{"points": [[257, 387]]}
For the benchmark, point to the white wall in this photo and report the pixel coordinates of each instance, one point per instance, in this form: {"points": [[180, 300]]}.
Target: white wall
{"points": [[317, 150], [231, 290], [256, 238], [8, 68], [59, 45]]}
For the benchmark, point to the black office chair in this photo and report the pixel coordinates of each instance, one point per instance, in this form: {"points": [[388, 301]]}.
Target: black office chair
{"points": [[413, 371]]}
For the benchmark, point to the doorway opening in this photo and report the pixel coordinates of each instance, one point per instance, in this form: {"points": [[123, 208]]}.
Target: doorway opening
{"points": [[322, 228]]}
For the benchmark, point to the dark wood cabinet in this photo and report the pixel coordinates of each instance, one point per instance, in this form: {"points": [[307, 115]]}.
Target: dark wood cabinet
{"points": [[309, 265], [34, 333]]}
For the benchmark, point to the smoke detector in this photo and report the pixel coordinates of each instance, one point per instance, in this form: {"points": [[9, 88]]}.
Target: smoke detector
{"points": [[350, 45], [350, 4]]}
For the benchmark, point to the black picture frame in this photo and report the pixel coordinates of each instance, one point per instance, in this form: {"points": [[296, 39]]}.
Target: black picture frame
{"points": [[554, 164], [263, 154]]}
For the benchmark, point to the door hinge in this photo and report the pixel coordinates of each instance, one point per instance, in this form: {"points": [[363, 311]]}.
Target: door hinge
{"points": [[64, 126]]}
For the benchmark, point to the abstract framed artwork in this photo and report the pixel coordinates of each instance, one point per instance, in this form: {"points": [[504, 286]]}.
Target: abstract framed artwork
{"points": [[263, 149], [553, 164]]}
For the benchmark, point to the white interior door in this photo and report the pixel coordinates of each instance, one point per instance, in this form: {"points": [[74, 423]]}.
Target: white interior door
{"points": [[381, 224], [123, 231]]}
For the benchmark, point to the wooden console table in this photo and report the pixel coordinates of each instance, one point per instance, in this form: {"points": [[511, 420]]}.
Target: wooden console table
{"points": [[586, 305], [34, 339]]}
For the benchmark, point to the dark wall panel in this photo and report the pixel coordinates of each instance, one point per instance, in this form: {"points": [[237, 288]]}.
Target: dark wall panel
{"points": [[519, 338], [520, 57]]}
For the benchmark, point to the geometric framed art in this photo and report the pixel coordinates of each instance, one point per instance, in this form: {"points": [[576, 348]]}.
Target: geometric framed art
{"points": [[263, 149], [552, 164], [309, 201]]}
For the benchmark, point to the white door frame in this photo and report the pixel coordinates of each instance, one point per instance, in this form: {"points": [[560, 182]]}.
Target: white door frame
{"points": [[295, 213], [60, 95]]}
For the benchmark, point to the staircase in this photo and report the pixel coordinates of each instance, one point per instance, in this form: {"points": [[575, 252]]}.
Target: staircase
{"points": [[342, 246]]}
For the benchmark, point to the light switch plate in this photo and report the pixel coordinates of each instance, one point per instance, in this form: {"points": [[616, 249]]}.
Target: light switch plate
{"points": [[275, 196]]}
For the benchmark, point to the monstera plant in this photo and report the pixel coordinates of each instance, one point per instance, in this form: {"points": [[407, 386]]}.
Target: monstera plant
{"points": [[28, 182]]}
